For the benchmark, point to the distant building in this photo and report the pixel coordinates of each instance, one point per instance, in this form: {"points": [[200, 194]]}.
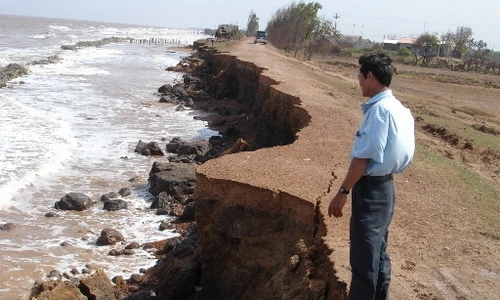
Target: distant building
{"points": [[391, 45], [352, 41], [396, 45]]}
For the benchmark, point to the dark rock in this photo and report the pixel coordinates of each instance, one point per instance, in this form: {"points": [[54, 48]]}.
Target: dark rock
{"points": [[199, 148], [128, 252], [190, 79], [200, 95], [189, 102], [64, 244], [124, 192], [171, 244], [51, 215], [54, 273], [74, 201], [165, 99], [151, 148], [115, 252], [220, 122], [178, 274], [118, 280], [172, 178], [109, 196], [99, 43], [165, 89], [109, 237], [135, 279], [179, 91], [188, 213], [176, 209], [134, 179], [232, 132], [10, 72], [162, 201], [216, 141], [133, 245], [7, 227], [142, 295], [115, 205], [183, 158], [174, 145], [86, 271], [165, 225], [147, 246], [75, 271]]}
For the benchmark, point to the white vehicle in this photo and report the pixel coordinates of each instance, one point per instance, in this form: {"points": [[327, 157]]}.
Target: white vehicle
{"points": [[260, 37]]}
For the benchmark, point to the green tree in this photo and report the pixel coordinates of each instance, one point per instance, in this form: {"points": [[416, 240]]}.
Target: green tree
{"points": [[428, 42], [253, 24], [319, 40], [426, 46], [295, 27], [463, 39]]}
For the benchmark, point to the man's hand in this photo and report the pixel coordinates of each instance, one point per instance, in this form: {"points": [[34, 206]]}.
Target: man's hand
{"points": [[336, 205]]}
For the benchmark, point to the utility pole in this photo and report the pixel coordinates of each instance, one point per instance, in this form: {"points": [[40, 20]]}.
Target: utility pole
{"points": [[335, 24]]}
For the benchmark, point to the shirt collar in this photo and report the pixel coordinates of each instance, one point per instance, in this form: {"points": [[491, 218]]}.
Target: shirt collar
{"points": [[365, 106]]}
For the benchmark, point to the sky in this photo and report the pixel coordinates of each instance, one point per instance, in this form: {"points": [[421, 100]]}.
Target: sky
{"points": [[371, 19]]}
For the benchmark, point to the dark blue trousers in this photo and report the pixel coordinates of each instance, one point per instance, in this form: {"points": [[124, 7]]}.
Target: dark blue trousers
{"points": [[373, 201]]}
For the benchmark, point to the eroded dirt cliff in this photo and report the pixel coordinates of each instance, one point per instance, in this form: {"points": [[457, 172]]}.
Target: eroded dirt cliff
{"points": [[258, 241]]}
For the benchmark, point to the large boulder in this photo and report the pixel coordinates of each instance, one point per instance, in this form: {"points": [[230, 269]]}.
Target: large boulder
{"points": [[200, 148], [10, 72], [165, 89], [98, 286], [114, 205], [177, 179], [109, 237], [74, 201], [188, 151], [7, 227], [150, 148], [60, 290], [174, 145]]}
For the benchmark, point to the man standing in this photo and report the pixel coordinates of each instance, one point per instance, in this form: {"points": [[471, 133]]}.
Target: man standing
{"points": [[384, 145]]}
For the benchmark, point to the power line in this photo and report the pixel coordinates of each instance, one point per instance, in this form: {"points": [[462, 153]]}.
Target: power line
{"points": [[416, 21]]}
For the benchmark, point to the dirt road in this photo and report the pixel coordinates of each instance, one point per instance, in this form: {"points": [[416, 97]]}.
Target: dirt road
{"points": [[445, 238]]}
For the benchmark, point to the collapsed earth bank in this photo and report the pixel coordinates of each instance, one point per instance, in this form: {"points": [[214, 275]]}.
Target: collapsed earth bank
{"points": [[259, 240]]}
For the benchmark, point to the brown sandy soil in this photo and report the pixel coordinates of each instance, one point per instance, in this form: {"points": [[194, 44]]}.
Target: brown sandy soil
{"points": [[445, 238]]}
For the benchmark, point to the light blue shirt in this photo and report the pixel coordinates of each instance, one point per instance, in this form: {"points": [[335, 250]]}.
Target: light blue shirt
{"points": [[385, 136]]}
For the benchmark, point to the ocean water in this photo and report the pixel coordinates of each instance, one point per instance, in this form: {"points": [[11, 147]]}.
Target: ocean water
{"points": [[72, 126]]}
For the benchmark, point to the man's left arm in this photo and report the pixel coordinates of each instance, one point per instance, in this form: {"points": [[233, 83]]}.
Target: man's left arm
{"points": [[356, 169]]}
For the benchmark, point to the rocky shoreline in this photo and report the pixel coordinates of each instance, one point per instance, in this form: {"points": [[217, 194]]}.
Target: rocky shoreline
{"points": [[172, 181]]}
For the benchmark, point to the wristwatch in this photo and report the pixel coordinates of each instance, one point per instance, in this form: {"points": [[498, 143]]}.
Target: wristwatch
{"points": [[342, 190]]}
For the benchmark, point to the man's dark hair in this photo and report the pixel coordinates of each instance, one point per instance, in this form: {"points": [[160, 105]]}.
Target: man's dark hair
{"points": [[380, 66]]}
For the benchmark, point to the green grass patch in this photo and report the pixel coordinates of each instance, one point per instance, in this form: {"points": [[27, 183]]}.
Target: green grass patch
{"points": [[464, 131], [471, 186]]}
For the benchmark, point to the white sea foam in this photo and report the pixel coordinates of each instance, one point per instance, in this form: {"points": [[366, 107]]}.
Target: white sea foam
{"points": [[44, 148], [73, 127], [39, 36], [60, 28]]}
